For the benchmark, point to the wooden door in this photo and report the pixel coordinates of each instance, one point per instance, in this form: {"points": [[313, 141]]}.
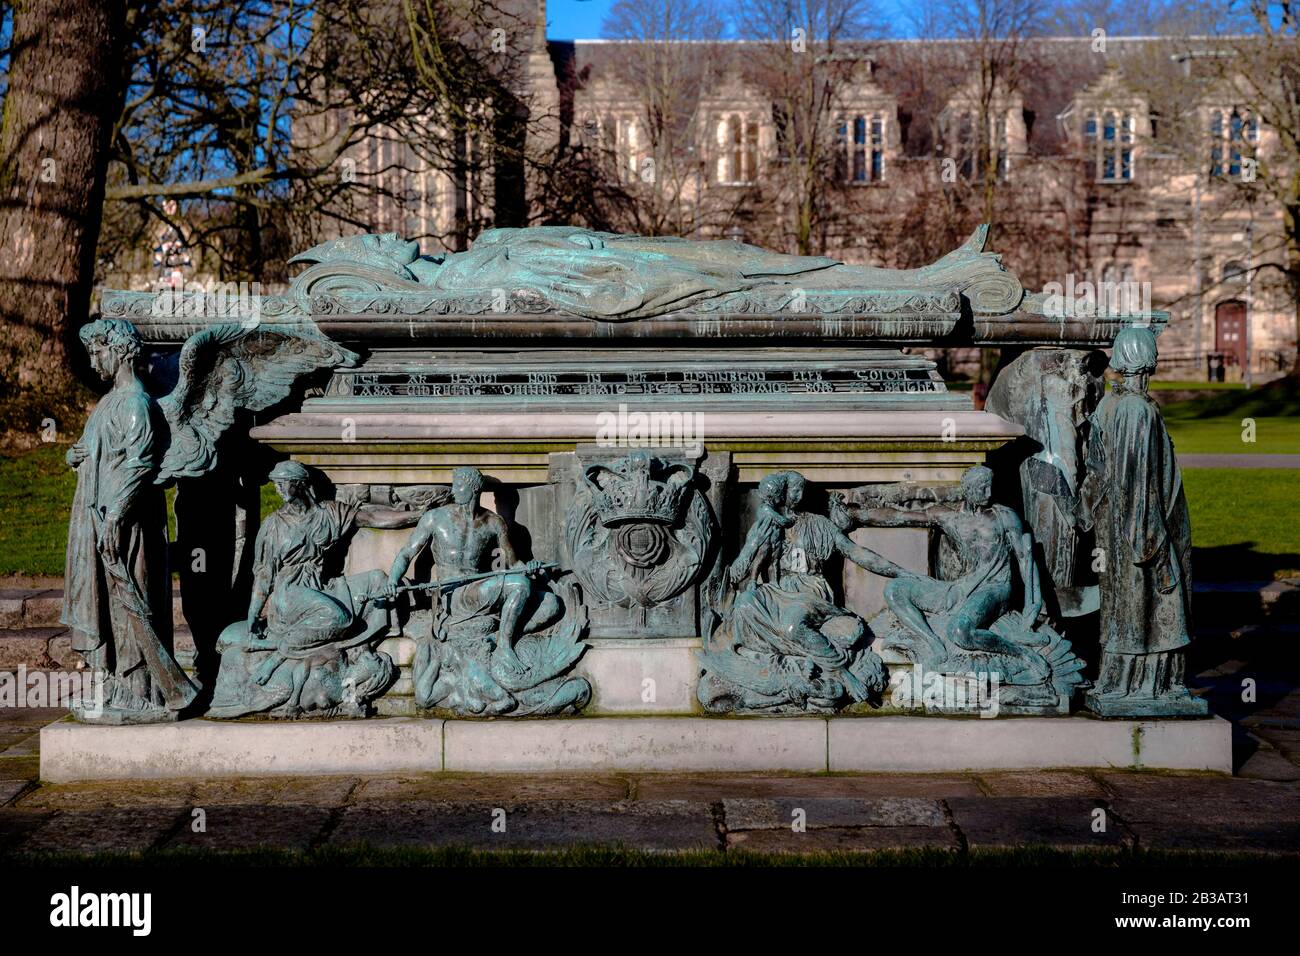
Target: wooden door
{"points": [[1230, 332]]}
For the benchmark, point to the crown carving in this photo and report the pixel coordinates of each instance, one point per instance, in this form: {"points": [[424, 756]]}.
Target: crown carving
{"points": [[638, 488]]}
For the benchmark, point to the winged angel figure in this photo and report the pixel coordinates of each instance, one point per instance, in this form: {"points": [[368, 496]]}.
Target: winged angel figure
{"points": [[117, 596]]}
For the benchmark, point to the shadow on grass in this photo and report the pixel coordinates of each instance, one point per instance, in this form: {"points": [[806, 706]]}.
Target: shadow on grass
{"points": [[1276, 399], [1241, 562]]}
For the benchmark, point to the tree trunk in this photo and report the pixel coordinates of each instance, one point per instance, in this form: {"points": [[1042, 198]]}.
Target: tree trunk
{"points": [[1291, 223], [65, 93]]}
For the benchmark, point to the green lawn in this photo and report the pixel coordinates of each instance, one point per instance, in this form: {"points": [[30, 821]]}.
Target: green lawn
{"points": [[1169, 385], [1243, 522], [1221, 423], [1229, 436], [35, 497]]}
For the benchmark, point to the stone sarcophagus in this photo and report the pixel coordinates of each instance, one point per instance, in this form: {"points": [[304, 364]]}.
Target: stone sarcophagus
{"points": [[567, 473]]}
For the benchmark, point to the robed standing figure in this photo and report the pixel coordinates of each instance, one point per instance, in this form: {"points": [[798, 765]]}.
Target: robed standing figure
{"points": [[117, 591], [1134, 497]]}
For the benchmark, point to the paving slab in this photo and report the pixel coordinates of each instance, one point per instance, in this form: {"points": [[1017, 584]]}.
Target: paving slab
{"points": [[11, 607], [649, 825], [28, 745], [1282, 712], [1212, 824], [274, 791], [710, 787], [235, 827], [9, 789], [17, 825], [1042, 783], [846, 839], [1206, 786], [490, 787], [15, 719], [27, 646], [102, 831], [758, 814], [1268, 764], [1064, 822], [1286, 741], [124, 794]]}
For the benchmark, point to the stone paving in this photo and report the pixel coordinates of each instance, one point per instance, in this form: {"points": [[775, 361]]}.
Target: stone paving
{"points": [[1257, 809], [764, 813]]}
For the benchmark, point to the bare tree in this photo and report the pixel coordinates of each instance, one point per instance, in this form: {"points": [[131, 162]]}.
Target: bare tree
{"points": [[802, 53], [670, 57]]}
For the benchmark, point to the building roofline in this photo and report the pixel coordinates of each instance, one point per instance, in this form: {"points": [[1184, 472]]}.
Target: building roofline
{"points": [[891, 41]]}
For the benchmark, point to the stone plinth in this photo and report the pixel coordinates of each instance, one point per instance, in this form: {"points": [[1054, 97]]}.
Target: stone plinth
{"points": [[210, 748], [423, 444], [201, 748]]}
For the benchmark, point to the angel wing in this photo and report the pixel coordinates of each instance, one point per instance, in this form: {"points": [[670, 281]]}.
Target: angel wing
{"points": [[230, 367]]}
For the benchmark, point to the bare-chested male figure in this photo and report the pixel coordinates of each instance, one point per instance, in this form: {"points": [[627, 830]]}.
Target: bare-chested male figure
{"points": [[989, 539], [465, 538]]}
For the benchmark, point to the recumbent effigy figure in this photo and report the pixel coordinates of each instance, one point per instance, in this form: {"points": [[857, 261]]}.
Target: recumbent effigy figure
{"points": [[967, 625], [308, 645], [499, 640], [784, 645]]}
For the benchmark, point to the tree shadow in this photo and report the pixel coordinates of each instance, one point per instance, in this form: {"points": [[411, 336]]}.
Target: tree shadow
{"points": [[1240, 562]]}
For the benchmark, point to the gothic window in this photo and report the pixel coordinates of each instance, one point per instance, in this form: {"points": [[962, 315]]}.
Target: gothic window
{"points": [[861, 154], [966, 145], [738, 142], [629, 146], [1231, 132], [1108, 137]]}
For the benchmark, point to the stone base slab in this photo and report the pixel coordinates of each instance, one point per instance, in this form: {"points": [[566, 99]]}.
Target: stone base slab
{"points": [[213, 748], [203, 748], [641, 676]]}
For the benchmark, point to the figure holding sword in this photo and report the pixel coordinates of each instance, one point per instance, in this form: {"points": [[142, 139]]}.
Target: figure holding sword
{"points": [[493, 592]]}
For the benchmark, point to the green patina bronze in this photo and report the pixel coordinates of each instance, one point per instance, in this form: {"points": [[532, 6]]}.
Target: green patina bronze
{"points": [[609, 540], [117, 598], [1133, 497], [784, 645]]}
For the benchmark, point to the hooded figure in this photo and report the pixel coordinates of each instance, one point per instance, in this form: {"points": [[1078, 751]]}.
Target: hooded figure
{"points": [[1133, 496]]}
